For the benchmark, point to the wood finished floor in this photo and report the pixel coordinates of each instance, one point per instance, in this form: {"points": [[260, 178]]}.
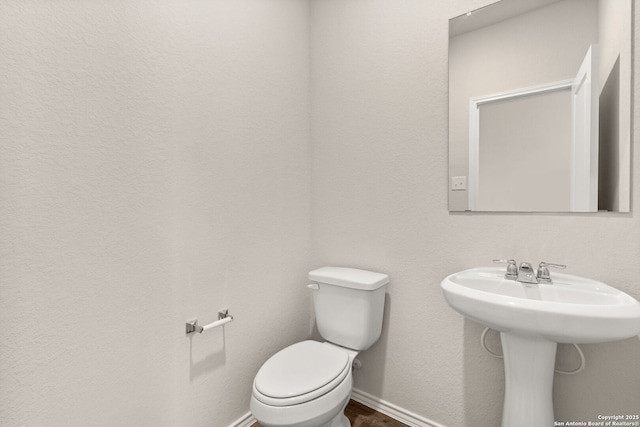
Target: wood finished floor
{"points": [[363, 416]]}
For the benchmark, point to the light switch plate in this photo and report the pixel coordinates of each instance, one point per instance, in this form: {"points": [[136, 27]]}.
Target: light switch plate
{"points": [[458, 183]]}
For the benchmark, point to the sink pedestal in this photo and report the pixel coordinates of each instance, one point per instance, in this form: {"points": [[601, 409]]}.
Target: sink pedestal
{"points": [[529, 363]]}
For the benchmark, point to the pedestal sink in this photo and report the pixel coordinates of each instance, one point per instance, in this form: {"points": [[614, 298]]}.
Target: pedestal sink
{"points": [[532, 319]]}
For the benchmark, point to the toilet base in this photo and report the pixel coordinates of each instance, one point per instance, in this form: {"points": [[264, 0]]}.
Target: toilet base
{"points": [[340, 421]]}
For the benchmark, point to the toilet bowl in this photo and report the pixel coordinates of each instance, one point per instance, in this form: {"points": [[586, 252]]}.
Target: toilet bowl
{"points": [[308, 384]]}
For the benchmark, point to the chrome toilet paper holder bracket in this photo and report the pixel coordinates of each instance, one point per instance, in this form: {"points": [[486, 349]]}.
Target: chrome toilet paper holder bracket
{"points": [[223, 317]]}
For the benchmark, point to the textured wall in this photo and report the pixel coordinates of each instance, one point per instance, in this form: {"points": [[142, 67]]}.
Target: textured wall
{"points": [[379, 131], [154, 168]]}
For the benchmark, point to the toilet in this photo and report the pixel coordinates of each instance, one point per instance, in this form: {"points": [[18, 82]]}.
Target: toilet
{"points": [[308, 384]]}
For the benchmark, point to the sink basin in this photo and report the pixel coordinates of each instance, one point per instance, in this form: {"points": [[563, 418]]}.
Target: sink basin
{"points": [[532, 320], [571, 310]]}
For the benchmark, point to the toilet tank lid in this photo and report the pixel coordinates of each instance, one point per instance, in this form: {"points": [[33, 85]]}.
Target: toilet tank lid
{"points": [[349, 277]]}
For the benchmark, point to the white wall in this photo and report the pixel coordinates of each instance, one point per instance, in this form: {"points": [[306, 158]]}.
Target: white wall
{"points": [[379, 131], [154, 168]]}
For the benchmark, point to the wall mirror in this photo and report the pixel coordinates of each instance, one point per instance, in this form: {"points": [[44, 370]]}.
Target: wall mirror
{"points": [[540, 106]]}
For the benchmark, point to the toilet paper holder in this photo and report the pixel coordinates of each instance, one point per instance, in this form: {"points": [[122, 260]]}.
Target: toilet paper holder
{"points": [[223, 317]]}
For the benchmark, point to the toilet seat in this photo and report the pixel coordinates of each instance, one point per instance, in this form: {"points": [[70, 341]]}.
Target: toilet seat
{"points": [[300, 373]]}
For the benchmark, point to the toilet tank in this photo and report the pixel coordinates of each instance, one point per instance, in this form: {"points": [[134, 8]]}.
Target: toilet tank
{"points": [[349, 305]]}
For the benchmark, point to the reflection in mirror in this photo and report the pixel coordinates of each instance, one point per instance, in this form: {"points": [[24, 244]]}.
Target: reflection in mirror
{"points": [[540, 107]]}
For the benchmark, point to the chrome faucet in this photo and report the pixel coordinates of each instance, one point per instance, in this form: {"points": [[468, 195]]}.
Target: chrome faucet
{"points": [[525, 273]]}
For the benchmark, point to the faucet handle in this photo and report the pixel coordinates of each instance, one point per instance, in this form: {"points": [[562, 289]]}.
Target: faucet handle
{"points": [[543, 274], [512, 268]]}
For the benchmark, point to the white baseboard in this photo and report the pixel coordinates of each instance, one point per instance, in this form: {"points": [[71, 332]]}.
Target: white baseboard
{"points": [[382, 406], [244, 421], [391, 410]]}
